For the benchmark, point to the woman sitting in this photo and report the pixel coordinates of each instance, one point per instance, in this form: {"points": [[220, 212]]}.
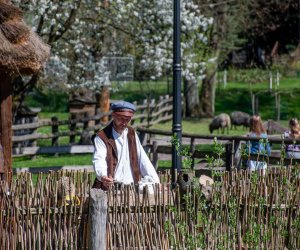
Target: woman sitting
{"points": [[293, 150], [261, 147]]}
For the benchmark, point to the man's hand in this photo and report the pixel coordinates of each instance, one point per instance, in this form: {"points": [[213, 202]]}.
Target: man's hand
{"points": [[107, 181]]}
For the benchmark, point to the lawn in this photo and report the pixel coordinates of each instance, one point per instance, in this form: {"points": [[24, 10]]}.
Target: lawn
{"points": [[52, 160]]}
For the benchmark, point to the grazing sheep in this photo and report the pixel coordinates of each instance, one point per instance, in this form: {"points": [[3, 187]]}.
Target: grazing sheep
{"points": [[239, 118], [220, 121]]}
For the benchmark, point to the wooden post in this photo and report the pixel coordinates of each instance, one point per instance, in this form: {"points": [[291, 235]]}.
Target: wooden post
{"points": [[54, 121], [144, 110], [228, 156], [72, 128], [142, 136], [104, 103], [151, 109], [1, 160], [6, 90], [192, 151], [133, 119], [85, 137], [154, 155], [97, 219]]}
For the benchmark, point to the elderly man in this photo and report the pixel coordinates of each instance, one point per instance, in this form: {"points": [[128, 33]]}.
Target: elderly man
{"points": [[119, 156]]}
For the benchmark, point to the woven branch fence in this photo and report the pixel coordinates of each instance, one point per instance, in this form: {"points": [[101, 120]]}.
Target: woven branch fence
{"points": [[241, 210]]}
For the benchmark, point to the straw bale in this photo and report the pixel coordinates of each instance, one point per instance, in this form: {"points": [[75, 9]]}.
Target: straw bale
{"points": [[8, 12]]}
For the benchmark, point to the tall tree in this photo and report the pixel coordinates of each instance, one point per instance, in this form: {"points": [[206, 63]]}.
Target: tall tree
{"points": [[223, 39]]}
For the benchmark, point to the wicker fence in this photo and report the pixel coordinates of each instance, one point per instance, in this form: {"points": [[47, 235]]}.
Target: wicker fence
{"points": [[242, 211]]}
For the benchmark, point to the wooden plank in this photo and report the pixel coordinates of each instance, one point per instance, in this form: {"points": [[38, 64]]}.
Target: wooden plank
{"points": [[74, 149], [6, 90], [97, 219]]}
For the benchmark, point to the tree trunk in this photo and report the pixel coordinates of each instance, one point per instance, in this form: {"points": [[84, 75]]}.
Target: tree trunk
{"points": [[191, 94], [207, 94], [21, 90], [6, 90], [104, 103]]}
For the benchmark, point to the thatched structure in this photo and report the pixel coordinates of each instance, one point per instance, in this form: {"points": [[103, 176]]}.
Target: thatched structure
{"points": [[21, 52]]}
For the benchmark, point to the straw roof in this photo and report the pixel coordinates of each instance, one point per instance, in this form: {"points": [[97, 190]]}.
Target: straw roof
{"points": [[21, 50]]}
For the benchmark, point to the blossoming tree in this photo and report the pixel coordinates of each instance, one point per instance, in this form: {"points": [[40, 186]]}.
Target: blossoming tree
{"points": [[81, 36]]}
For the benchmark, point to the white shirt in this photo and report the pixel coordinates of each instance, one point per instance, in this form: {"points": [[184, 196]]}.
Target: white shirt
{"points": [[123, 169]]}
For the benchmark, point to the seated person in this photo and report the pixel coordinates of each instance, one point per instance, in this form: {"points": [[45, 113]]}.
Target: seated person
{"points": [[293, 150], [257, 147]]}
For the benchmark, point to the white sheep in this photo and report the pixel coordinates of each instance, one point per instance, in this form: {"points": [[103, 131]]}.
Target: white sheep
{"points": [[220, 121]]}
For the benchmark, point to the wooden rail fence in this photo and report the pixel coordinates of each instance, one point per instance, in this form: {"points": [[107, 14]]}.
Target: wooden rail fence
{"points": [[148, 113], [232, 156]]}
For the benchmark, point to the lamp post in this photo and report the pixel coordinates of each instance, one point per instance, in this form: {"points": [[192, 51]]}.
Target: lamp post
{"points": [[176, 128]]}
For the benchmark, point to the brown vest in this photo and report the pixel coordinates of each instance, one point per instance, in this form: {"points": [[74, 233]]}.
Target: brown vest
{"points": [[112, 154]]}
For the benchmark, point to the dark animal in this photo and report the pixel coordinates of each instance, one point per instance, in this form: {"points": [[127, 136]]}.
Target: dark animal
{"points": [[220, 121], [239, 118]]}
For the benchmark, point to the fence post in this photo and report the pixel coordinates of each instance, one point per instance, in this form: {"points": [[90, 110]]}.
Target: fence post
{"points": [[192, 151], [97, 219], [85, 136], [167, 98], [154, 155], [72, 128], [54, 121], [144, 110], [228, 156], [133, 120], [142, 136], [151, 109], [34, 131]]}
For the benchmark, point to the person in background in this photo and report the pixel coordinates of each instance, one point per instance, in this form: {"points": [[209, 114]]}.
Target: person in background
{"points": [[119, 156], [293, 150], [257, 147]]}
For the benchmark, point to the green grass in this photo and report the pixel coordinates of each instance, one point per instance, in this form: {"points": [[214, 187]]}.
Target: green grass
{"points": [[49, 115], [133, 91], [198, 126], [52, 160], [47, 129]]}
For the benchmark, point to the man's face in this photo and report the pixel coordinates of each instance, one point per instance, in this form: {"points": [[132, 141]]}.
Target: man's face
{"points": [[120, 122]]}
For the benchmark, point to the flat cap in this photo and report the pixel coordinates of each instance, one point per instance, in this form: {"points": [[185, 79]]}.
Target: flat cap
{"points": [[123, 107]]}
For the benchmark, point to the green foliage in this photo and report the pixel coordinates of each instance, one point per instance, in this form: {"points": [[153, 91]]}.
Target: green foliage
{"points": [[252, 76], [232, 99], [51, 101], [236, 96], [216, 160], [183, 151], [138, 91]]}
